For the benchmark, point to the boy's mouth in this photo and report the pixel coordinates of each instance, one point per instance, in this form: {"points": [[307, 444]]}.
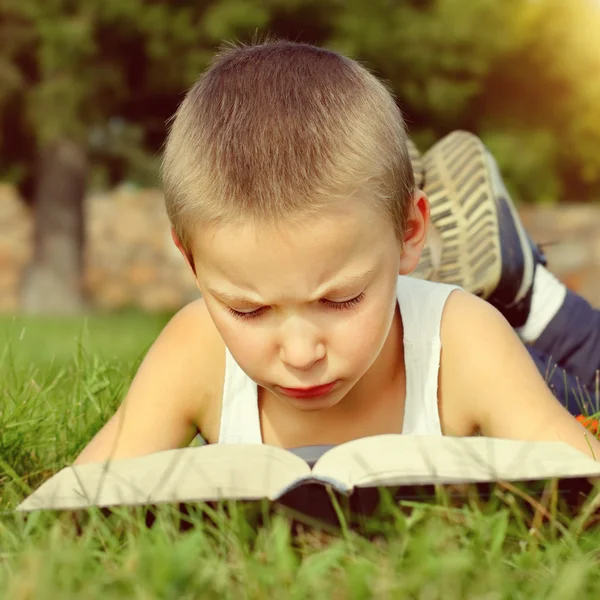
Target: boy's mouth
{"points": [[313, 392]]}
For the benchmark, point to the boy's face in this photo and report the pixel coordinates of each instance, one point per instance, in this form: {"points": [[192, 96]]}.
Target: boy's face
{"points": [[305, 306]]}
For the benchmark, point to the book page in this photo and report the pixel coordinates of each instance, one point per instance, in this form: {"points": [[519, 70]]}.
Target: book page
{"points": [[415, 459], [214, 472]]}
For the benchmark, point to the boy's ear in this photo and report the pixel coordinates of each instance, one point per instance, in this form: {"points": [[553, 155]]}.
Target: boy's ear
{"points": [[189, 259], [416, 233]]}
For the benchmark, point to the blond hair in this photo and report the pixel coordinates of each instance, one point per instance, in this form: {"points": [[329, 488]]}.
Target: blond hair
{"points": [[273, 132]]}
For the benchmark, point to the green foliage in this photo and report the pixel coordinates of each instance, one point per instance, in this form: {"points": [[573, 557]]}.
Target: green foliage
{"points": [[436, 58], [110, 73], [548, 83]]}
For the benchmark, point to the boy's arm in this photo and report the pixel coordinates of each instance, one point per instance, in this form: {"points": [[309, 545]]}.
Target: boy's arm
{"points": [[488, 375], [162, 405]]}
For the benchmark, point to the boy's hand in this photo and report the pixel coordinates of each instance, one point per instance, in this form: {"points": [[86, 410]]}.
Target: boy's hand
{"points": [[488, 376]]}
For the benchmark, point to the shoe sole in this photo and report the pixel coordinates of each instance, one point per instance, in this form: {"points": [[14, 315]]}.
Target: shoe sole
{"points": [[416, 161], [429, 263], [485, 249], [426, 267]]}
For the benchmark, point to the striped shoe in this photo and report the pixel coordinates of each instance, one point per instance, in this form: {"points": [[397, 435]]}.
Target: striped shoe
{"points": [[430, 257], [477, 240], [417, 163]]}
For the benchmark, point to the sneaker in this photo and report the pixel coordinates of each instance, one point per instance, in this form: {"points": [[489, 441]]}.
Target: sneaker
{"points": [[417, 163], [427, 267], [482, 246]]}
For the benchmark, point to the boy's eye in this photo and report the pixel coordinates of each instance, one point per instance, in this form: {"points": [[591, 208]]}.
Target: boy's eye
{"points": [[244, 316], [330, 303], [346, 303]]}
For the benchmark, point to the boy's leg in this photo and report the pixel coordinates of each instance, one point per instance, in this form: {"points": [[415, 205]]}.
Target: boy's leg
{"points": [[577, 398], [485, 250], [570, 338]]}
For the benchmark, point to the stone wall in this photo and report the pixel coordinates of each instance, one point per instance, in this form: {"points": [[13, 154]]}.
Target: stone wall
{"points": [[15, 247], [132, 261], [130, 257]]}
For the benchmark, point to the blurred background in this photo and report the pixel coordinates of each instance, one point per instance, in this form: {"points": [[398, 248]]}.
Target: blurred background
{"points": [[87, 88]]}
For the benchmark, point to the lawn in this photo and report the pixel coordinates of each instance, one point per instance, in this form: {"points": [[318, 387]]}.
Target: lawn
{"points": [[61, 379]]}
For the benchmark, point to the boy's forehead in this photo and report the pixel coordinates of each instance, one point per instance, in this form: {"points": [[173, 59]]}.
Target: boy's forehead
{"points": [[320, 250], [330, 234]]}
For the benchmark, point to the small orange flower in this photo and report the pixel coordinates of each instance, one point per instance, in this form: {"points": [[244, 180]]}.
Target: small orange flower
{"points": [[589, 423]]}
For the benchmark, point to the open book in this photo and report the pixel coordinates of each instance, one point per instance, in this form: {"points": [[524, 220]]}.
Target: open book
{"points": [[255, 471]]}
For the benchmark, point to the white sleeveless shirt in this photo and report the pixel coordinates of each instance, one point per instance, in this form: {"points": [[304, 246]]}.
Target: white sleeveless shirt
{"points": [[421, 305]]}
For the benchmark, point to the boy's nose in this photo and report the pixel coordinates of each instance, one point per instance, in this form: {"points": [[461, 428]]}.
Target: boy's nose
{"points": [[302, 354]]}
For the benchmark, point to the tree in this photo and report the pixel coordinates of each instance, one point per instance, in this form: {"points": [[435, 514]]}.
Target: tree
{"points": [[521, 74], [73, 70], [436, 55], [87, 87]]}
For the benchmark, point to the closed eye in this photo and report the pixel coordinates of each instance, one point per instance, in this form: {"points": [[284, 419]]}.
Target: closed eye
{"points": [[346, 304]]}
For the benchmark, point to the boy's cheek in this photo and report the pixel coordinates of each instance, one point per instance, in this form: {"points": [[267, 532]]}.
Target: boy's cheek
{"points": [[231, 332]]}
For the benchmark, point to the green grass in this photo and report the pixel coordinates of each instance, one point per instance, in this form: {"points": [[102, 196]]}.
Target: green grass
{"points": [[59, 382]]}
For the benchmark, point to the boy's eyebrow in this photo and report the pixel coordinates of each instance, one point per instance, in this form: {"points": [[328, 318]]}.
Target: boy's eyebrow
{"points": [[340, 283]]}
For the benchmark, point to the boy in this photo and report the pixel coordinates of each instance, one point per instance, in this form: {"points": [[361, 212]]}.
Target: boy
{"points": [[292, 198]]}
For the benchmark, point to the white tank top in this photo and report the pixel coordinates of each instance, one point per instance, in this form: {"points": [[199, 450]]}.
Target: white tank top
{"points": [[421, 305]]}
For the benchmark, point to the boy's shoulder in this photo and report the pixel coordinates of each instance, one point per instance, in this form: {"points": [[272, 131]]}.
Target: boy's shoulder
{"points": [[489, 382], [470, 324], [466, 313], [476, 343], [192, 342], [193, 315], [173, 395], [192, 331]]}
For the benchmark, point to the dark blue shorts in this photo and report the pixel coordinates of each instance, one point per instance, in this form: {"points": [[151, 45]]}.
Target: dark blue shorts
{"points": [[568, 355]]}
